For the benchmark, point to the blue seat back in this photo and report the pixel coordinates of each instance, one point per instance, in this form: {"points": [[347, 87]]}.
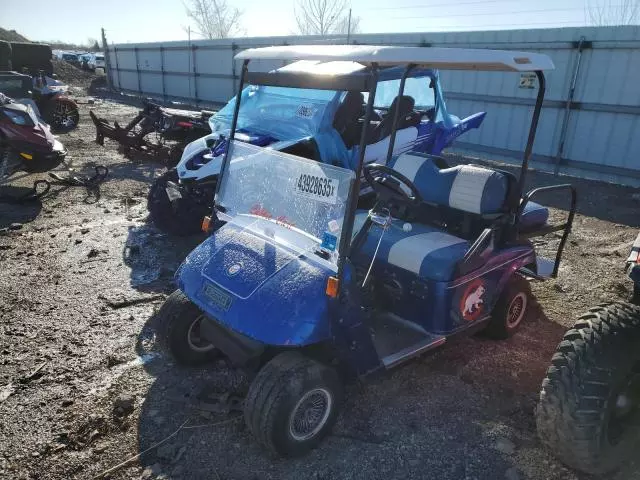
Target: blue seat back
{"points": [[468, 188]]}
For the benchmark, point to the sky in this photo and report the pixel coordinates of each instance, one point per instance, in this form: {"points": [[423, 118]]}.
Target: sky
{"points": [[158, 20]]}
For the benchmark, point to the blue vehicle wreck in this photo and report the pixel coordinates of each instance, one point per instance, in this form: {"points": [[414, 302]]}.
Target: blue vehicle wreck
{"points": [[322, 125], [312, 281]]}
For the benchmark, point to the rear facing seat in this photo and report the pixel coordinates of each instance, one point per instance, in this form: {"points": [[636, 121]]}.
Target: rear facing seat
{"points": [[533, 217]]}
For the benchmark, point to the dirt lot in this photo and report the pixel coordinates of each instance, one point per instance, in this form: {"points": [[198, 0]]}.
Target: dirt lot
{"points": [[83, 389]]}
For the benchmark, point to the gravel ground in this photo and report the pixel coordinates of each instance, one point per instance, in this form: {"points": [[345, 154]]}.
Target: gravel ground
{"points": [[83, 389]]}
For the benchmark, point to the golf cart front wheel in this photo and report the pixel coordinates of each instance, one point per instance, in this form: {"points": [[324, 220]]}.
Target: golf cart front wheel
{"points": [[510, 310], [589, 410], [292, 404], [178, 332]]}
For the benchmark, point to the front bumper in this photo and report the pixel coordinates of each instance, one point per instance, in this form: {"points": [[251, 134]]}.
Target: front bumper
{"points": [[42, 161]]}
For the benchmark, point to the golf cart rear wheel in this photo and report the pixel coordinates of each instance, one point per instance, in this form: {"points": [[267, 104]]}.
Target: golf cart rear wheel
{"points": [[589, 410], [292, 404], [181, 217], [510, 310], [178, 331]]}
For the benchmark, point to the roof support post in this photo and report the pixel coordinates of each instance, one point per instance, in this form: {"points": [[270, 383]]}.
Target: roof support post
{"points": [[532, 135], [394, 127], [354, 194], [234, 123]]}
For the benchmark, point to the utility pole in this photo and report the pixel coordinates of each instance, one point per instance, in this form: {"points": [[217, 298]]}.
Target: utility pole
{"points": [[189, 54], [349, 27], [107, 63]]}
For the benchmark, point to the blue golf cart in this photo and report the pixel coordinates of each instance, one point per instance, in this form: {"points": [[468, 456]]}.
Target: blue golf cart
{"points": [[319, 124], [313, 283]]}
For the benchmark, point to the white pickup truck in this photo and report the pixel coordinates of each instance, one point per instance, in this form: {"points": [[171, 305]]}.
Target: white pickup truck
{"points": [[96, 60]]}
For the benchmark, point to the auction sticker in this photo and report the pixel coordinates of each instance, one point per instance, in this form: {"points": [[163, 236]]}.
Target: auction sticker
{"points": [[317, 187]]}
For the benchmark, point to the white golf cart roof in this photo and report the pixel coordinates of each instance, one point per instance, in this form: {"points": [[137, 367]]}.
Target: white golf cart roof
{"points": [[427, 57]]}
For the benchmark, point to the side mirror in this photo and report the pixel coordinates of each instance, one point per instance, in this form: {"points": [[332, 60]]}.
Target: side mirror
{"points": [[211, 142]]}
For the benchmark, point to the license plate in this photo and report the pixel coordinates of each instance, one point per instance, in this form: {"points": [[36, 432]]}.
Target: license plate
{"points": [[173, 192], [217, 296], [317, 187]]}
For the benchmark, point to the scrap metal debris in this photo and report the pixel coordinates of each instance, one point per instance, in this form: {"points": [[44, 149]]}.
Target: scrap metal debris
{"points": [[6, 391], [34, 374], [117, 301]]}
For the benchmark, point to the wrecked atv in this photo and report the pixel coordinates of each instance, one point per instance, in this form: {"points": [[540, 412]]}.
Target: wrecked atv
{"points": [[60, 111], [46, 96], [169, 125]]}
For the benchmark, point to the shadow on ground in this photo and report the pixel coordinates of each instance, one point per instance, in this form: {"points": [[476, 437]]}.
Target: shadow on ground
{"points": [[13, 210], [443, 414], [153, 257]]}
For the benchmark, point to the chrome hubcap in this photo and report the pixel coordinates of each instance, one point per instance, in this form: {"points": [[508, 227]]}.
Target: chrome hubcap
{"points": [[310, 414], [515, 312], [64, 116], [196, 342]]}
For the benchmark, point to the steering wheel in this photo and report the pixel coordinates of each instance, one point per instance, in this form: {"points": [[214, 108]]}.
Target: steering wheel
{"points": [[387, 183]]}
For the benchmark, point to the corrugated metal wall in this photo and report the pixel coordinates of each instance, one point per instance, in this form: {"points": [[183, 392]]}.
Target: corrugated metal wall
{"points": [[602, 127]]}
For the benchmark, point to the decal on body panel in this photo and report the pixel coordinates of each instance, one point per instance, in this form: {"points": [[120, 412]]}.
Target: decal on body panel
{"points": [[472, 301]]}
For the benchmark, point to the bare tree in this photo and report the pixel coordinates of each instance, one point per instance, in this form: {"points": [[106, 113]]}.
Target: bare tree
{"points": [[323, 17], [214, 18], [613, 12], [92, 44], [343, 27]]}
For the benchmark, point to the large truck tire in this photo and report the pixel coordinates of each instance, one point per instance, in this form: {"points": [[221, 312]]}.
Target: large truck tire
{"points": [[589, 410]]}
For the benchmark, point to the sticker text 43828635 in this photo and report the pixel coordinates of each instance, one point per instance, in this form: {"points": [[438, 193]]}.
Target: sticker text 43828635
{"points": [[317, 187]]}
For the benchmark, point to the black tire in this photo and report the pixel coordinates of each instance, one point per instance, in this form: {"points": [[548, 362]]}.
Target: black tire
{"points": [[281, 388], [62, 114], [579, 414], [181, 217], [510, 309], [177, 319]]}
